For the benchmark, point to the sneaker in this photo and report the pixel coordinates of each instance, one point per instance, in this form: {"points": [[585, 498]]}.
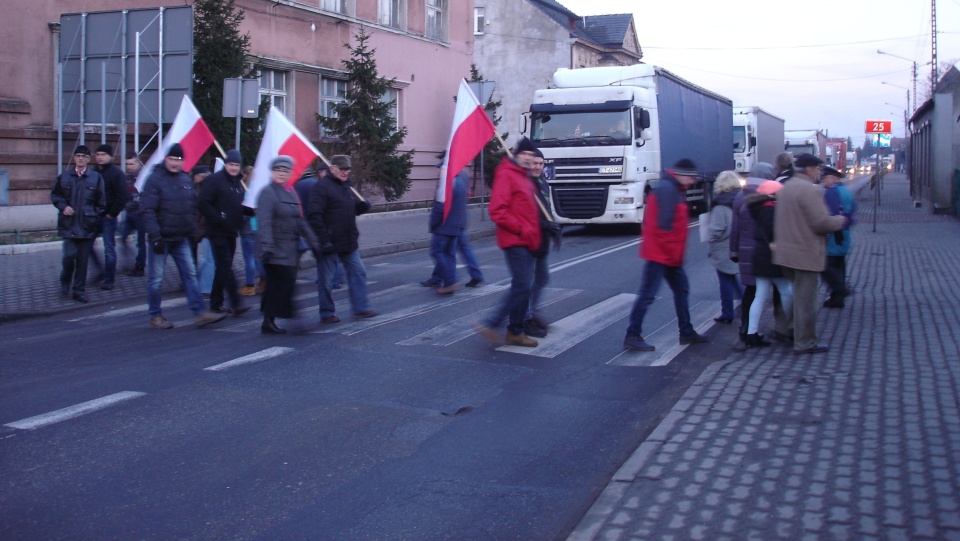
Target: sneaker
{"points": [[489, 334], [694, 339], [366, 314], [248, 290], [330, 319], [80, 297], [521, 340], [209, 317], [636, 343], [724, 320], [755, 341], [430, 283], [531, 328], [448, 290], [474, 282], [221, 310], [160, 322]]}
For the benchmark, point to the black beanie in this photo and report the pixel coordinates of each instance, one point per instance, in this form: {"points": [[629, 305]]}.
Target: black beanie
{"points": [[176, 151], [524, 145], [105, 148], [82, 149]]}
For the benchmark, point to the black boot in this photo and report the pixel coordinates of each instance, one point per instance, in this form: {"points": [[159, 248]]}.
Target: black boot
{"points": [[269, 326], [755, 341]]}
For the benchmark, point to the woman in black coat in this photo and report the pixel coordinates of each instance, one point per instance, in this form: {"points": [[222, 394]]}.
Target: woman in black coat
{"points": [[280, 226]]}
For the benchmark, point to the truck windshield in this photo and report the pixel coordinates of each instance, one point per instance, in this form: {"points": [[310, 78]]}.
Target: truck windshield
{"points": [[739, 138], [586, 128]]}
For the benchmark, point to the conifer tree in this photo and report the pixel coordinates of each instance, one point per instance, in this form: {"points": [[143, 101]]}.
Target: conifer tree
{"points": [[220, 52], [365, 129]]}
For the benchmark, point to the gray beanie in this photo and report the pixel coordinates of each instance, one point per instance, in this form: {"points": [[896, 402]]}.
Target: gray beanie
{"points": [[282, 161]]}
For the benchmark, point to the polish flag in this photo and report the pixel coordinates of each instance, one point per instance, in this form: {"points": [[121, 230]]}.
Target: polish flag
{"points": [[471, 131], [280, 138], [190, 131]]}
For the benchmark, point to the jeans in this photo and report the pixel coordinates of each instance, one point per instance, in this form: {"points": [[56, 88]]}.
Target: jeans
{"points": [[134, 222], [75, 255], [443, 250], [517, 302], [252, 267], [205, 266], [356, 281], [730, 288], [541, 277], [764, 285], [180, 252], [224, 249], [653, 274], [463, 244], [109, 227]]}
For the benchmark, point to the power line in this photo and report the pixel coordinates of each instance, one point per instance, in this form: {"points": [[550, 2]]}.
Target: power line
{"points": [[839, 44], [782, 80]]}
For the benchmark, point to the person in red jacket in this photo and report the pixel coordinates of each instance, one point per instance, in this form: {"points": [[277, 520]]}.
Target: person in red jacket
{"points": [[513, 208], [664, 241]]}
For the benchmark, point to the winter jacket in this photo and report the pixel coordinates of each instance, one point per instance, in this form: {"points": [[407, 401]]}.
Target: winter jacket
{"points": [[221, 204], [741, 234], [86, 195], [541, 189], [762, 209], [718, 232], [513, 207], [332, 212], [115, 187], [665, 224], [457, 217], [280, 224], [802, 222], [169, 203], [133, 195], [840, 201]]}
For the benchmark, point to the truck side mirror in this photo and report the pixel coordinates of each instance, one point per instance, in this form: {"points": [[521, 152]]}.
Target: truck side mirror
{"points": [[753, 141], [523, 122], [642, 119]]}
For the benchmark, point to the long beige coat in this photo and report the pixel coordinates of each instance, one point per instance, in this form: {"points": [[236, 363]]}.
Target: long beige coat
{"points": [[800, 224]]}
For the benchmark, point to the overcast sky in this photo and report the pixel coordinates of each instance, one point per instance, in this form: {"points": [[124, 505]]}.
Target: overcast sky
{"points": [[813, 63]]}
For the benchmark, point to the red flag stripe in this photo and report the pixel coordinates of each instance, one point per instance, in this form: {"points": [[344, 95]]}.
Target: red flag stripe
{"points": [[301, 153], [195, 143], [468, 140]]}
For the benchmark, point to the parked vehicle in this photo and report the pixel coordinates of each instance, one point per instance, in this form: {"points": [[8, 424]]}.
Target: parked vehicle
{"points": [[806, 142], [756, 137], [851, 162], [607, 133]]}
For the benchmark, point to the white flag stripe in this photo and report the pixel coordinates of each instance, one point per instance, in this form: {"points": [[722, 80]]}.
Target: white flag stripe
{"points": [[74, 411], [460, 328], [666, 338], [186, 118], [277, 129], [268, 353], [577, 327]]}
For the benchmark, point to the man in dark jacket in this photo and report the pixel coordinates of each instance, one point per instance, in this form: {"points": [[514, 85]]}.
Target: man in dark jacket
{"points": [[664, 242], [221, 205], [80, 198], [533, 324], [134, 220], [169, 205], [332, 212], [115, 185], [446, 231]]}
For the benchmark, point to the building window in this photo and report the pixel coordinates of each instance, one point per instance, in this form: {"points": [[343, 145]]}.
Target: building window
{"points": [[332, 92], [273, 87], [437, 19], [479, 21], [393, 13], [344, 7], [393, 95]]}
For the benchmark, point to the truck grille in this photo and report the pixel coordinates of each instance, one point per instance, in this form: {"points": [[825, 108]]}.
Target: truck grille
{"points": [[566, 169], [579, 202]]}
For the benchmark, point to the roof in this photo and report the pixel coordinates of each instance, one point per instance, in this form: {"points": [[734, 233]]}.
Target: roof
{"points": [[607, 30]]}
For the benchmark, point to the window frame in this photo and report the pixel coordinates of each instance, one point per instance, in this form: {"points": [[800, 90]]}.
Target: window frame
{"points": [[328, 101], [439, 9], [270, 92], [479, 20]]}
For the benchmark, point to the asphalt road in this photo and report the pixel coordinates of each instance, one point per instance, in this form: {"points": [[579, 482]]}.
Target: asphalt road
{"points": [[405, 426]]}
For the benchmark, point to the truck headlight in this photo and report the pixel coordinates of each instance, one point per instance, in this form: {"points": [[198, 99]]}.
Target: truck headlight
{"points": [[623, 201]]}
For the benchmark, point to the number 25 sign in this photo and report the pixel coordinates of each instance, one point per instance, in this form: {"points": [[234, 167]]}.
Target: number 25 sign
{"points": [[879, 126]]}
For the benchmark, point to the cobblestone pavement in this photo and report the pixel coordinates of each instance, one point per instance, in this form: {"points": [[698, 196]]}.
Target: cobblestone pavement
{"points": [[29, 277], [862, 442]]}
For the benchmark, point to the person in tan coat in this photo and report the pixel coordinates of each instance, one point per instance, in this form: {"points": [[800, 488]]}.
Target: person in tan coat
{"points": [[801, 224]]}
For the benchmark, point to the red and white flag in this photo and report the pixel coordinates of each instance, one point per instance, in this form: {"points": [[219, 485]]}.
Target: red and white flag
{"points": [[471, 131], [190, 131], [280, 138]]}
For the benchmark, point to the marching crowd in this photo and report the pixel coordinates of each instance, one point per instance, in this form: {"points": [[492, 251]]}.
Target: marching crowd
{"points": [[772, 238]]}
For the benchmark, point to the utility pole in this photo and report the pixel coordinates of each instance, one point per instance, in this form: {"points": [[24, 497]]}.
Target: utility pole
{"points": [[933, 46]]}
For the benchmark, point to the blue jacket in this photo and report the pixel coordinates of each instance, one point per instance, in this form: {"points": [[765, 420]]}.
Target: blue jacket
{"points": [[840, 202], [457, 218], [169, 204]]}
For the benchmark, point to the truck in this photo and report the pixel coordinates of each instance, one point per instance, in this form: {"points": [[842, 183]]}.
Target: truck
{"points": [[757, 137], [806, 142], [851, 163], [608, 133], [836, 153]]}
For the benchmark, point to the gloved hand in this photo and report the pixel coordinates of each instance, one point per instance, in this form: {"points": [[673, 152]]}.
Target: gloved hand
{"points": [[735, 258], [159, 247], [552, 228], [326, 248], [266, 257]]}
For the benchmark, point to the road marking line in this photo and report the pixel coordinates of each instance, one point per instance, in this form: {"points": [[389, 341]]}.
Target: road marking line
{"points": [[131, 310], [74, 411], [577, 327], [460, 328], [268, 353]]}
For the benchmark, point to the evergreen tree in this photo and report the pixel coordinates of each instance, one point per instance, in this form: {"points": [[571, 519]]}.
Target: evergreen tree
{"points": [[220, 52], [365, 129], [492, 151]]}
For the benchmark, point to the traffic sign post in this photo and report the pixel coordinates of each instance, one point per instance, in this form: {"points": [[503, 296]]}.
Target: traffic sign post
{"points": [[879, 128]]}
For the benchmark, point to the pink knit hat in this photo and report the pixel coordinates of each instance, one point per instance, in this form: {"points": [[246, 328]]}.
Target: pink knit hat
{"points": [[769, 187]]}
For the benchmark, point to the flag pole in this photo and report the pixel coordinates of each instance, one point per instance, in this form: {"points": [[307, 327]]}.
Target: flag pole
{"points": [[220, 149], [504, 145]]}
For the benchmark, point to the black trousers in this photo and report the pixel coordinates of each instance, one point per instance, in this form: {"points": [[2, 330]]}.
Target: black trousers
{"points": [[835, 275], [76, 255], [277, 298], [224, 249]]}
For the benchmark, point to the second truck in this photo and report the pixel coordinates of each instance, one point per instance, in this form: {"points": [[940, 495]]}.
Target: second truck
{"points": [[607, 133], [757, 137]]}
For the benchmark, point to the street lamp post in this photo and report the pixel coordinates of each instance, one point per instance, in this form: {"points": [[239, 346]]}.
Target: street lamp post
{"points": [[914, 108]]}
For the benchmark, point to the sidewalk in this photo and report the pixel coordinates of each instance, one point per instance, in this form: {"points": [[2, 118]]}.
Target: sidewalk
{"points": [[862, 442], [30, 274]]}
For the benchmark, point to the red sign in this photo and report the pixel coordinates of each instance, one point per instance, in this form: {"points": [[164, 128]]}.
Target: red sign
{"points": [[879, 126]]}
